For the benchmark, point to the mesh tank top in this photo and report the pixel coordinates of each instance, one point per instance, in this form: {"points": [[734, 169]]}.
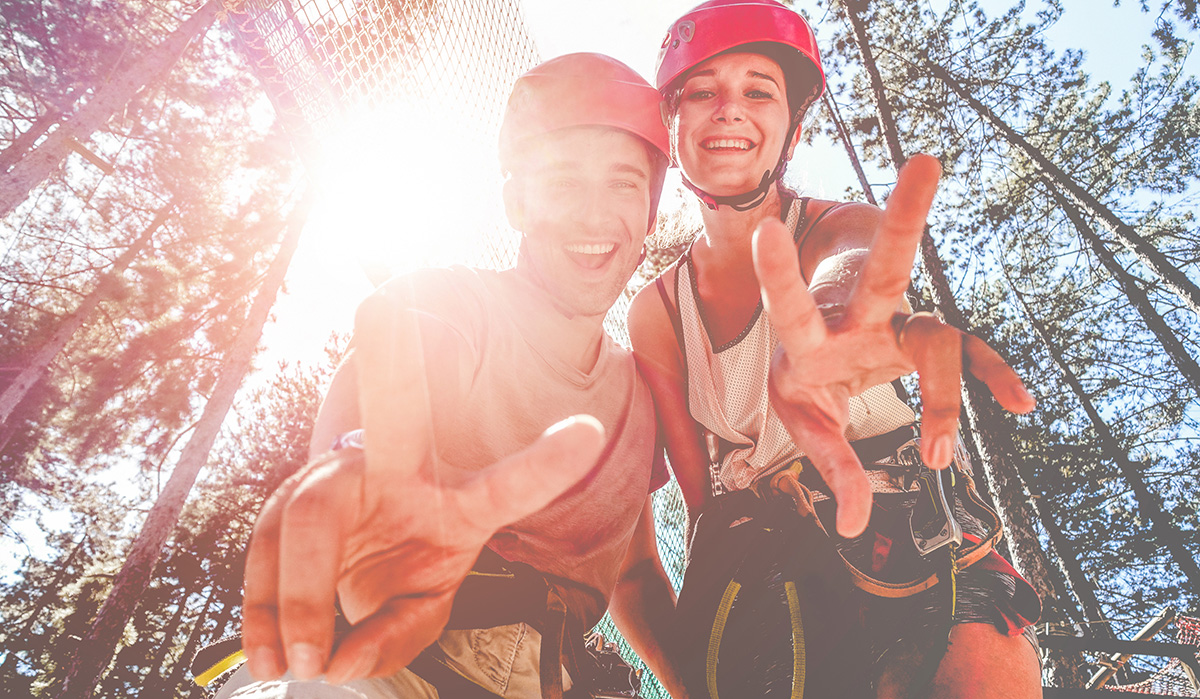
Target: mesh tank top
{"points": [[727, 387]]}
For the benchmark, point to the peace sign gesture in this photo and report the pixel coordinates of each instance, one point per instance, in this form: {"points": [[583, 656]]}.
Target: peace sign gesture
{"points": [[390, 535], [823, 360]]}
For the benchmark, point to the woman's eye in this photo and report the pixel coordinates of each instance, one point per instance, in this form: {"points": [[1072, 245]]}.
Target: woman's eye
{"points": [[760, 95], [699, 94]]}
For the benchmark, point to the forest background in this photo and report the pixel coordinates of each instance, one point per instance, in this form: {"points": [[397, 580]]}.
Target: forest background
{"points": [[154, 185]]}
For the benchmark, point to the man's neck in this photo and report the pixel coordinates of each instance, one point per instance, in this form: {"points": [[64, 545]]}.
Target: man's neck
{"points": [[554, 327]]}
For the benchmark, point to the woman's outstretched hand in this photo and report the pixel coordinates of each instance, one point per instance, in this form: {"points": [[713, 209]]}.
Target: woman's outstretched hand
{"points": [[824, 359]]}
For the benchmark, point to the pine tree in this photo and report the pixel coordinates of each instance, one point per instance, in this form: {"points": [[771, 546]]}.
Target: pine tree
{"points": [[96, 649]]}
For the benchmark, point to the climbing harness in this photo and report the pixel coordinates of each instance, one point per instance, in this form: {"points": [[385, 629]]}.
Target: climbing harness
{"points": [[496, 592], [931, 521]]}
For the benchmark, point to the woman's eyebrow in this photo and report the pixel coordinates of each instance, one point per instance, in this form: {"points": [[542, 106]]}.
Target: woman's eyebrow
{"points": [[763, 76]]}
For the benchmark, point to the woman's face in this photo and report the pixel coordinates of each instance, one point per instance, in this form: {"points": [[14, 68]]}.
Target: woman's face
{"points": [[732, 121]]}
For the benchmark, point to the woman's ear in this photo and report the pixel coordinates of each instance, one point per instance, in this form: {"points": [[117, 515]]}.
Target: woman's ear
{"points": [[795, 141], [514, 204]]}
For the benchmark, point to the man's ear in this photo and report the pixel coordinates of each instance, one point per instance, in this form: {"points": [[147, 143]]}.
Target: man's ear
{"points": [[514, 204]]}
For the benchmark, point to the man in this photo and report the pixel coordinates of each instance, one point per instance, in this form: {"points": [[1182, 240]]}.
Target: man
{"points": [[453, 375]]}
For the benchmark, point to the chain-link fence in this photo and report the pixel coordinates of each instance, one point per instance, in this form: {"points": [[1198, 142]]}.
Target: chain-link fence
{"points": [[322, 61]]}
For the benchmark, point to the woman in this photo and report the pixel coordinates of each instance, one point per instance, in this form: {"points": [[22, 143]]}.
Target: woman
{"points": [[737, 77]]}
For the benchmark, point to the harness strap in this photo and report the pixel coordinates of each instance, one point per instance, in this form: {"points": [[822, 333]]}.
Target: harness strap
{"points": [[974, 549]]}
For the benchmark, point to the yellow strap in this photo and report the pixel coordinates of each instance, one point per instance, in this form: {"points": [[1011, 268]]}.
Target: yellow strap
{"points": [[799, 659], [714, 641], [220, 667], [953, 580]]}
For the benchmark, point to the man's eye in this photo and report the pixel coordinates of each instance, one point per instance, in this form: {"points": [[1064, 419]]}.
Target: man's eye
{"points": [[760, 95]]}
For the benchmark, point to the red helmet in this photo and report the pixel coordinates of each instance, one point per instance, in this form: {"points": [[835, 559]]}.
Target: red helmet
{"points": [[720, 25], [760, 26], [581, 89]]}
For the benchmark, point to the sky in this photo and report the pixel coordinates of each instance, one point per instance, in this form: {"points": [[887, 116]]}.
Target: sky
{"points": [[326, 280]]}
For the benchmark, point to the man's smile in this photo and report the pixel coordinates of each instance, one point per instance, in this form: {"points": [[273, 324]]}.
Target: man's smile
{"points": [[591, 256]]}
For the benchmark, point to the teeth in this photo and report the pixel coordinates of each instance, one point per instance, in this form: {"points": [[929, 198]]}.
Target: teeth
{"points": [[592, 249], [739, 143]]}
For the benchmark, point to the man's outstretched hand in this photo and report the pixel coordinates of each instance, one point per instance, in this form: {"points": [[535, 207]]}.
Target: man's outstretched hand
{"points": [[823, 360], [387, 535]]}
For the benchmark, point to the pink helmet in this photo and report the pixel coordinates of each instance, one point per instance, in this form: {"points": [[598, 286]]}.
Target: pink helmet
{"points": [[720, 25], [760, 26], [581, 89]]}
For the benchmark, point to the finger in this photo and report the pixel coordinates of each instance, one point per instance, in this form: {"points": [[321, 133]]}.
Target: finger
{"points": [[261, 641], [393, 395], [390, 639], [822, 439], [530, 479], [785, 296], [986, 365], [936, 350], [310, 558], [848, 483], [885, 274]]}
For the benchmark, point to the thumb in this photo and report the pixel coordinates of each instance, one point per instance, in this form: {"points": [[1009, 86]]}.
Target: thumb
{"points": [[527, 481]]}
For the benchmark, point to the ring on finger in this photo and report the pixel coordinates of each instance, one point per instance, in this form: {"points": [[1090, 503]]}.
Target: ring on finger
{"points": [[902, 324]]}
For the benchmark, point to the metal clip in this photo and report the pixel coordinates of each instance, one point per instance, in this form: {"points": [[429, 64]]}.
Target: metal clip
{"points": [[908, 458], [936, 527]]}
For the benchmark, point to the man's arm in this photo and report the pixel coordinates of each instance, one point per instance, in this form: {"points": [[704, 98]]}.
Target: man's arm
{"points": [[367, 531], [643, 605]]}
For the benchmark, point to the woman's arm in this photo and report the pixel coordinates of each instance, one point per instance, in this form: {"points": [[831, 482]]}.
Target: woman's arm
{"points": [[660, 361]]}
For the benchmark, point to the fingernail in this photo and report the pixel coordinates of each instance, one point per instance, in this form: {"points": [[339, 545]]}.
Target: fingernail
{"points": [[362, 667], [263, 663], [305, 660]]}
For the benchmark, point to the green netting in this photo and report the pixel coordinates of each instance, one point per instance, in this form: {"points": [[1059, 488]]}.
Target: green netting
{"points": [[322, 61]]}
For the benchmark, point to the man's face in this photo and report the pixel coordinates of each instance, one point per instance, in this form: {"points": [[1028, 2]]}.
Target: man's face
{"points": [[584, 203]]}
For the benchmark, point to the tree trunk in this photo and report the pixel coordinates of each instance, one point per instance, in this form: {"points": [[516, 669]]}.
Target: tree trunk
{"points": [[108, 99], [1149, 504], [1081, 585], [49, 594], [36, 365], [995, 445], [844, 133], [155, 664], [1172, 277], [96, 650], [1179, 355], [173, 680], [11, 155]]}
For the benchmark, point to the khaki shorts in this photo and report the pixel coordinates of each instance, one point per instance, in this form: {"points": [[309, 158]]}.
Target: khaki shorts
{"points": [[503, 660]]}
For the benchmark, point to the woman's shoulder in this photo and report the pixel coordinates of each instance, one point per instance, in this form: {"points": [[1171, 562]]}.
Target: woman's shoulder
{"points": [[819, 208], [651, 312]]}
